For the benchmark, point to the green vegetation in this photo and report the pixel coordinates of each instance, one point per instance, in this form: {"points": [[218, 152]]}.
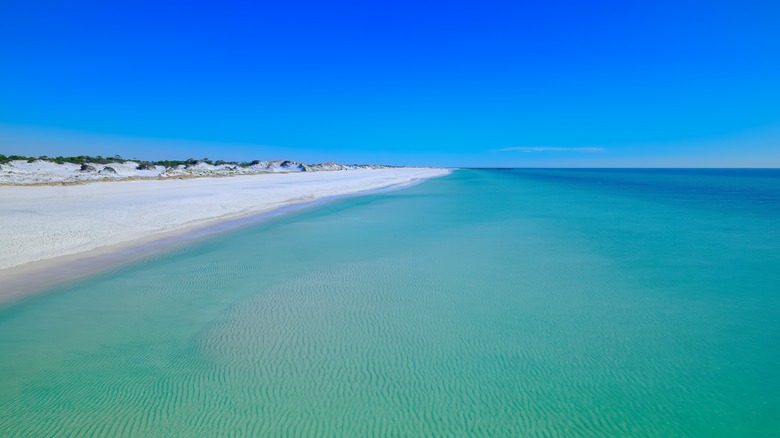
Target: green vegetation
{"points": [[142, 164], [4, 159], [81, 159]]}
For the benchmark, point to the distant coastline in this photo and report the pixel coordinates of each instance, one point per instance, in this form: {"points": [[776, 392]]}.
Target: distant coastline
{"points": [[42, 170]]}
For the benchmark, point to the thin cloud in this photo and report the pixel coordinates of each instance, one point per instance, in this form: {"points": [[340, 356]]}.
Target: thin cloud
{"points": [[542, 149]]}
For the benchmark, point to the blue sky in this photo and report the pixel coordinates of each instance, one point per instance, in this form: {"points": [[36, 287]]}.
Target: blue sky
{"points": [[521, 83]]}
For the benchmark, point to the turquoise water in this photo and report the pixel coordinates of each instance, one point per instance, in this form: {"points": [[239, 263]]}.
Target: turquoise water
{"points": [[485, 303]]}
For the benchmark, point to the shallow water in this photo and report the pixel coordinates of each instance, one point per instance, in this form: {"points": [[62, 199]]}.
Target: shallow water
{"points": [[493, 303]]}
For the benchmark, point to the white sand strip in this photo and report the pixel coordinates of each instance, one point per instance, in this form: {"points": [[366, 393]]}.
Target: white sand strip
{"points": [[47, 222]]}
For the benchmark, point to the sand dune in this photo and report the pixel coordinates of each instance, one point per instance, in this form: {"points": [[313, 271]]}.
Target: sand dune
{"points": [[22, 172]]}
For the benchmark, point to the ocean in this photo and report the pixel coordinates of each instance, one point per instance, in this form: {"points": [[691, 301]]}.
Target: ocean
{"points": [[484, 303]]}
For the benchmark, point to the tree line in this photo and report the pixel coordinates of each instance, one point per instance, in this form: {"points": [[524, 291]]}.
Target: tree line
{"points": [[86, 159]]}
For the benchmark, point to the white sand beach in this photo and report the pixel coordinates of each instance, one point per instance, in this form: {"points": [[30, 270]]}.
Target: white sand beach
{"points": [[51, 221]]}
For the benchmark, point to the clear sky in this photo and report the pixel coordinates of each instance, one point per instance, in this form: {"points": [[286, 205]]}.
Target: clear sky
{"points": [[517, 83]]}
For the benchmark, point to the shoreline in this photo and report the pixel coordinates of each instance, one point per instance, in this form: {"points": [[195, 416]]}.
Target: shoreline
{"points": [[30, 278]]}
